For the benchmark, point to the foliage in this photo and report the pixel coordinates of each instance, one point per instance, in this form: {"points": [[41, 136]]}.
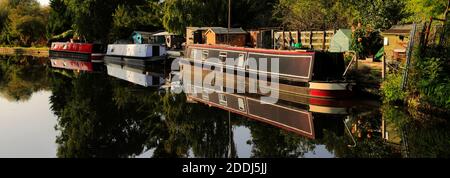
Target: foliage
{"points": [[179, 14], [146, 17], [60, 19], [392, 89], [431, 75], [379, 13], [310, 14], [424, 9], [366, 41], [23, 23]]}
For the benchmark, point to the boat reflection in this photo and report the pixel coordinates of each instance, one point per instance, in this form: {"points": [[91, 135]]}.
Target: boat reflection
{"points": [[300, 117], [149, 75]]}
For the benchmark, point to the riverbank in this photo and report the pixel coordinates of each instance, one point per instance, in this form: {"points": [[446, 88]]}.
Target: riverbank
{"points": [[38, 52]]}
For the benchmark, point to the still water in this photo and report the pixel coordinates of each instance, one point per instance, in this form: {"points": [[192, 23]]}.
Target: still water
{"points": [[48, 112]]}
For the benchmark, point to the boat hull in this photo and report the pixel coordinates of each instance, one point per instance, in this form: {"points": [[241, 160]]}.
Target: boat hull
{"points": [[140, 51], [77, 51]]}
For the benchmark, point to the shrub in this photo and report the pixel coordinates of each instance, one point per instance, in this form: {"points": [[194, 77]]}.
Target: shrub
{"points": [[391, 89]]}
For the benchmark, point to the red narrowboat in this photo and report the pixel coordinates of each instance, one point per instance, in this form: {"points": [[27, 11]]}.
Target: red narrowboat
{"points": [[76, 56]]}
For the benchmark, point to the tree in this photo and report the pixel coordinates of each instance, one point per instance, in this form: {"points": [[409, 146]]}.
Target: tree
{"points": [[424, 9], [60, 19], [179, 14], [128, 18], [310, 14], [379, 13], [25, 24], [94, 19]]}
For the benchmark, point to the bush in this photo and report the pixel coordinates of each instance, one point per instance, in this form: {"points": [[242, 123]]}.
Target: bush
{"points": [[433, 81], [431, 75], [391, 89]]}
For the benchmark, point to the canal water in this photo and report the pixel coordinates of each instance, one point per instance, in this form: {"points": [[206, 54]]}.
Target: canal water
{"points": [[48, 112]]}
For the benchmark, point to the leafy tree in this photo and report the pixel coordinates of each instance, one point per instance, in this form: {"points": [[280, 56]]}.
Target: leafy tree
{"points": [[310, 14], [25, 23], [179, 14], [380, 13], [60, 19], [424, 9], [143, 17]]}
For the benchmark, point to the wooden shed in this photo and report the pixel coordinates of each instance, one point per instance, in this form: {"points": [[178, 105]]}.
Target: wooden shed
{"points": [[396, 42], [220, 35], [196, 35], [341, 41]]}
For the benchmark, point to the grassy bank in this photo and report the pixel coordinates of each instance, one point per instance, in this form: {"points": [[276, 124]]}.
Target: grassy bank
{"points": [[31, 51]]}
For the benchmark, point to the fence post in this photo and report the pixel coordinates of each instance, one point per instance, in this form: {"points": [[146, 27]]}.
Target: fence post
{"points": [[383, 70], [408, 57]]}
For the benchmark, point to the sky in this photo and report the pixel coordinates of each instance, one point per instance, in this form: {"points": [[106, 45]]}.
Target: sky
{"points": [[43, 2]]}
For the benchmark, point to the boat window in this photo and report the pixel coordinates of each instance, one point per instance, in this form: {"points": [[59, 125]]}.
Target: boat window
{"points": [[241, 60], [241, 104], [223, 57], [205, 55], [223, 100]]}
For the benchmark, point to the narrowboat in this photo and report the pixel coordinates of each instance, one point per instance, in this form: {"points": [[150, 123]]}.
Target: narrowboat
{"points": [[143, 76], [76, 56], [308, 73], [135, 54], [303, 119]]}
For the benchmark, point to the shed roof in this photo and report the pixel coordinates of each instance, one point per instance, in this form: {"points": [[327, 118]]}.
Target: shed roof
{"points": [[221, 30], [346, 32], [200, 28], [399, 30]]}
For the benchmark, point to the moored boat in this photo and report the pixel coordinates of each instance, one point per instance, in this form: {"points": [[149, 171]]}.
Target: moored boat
{"points": [[76, 56], [309, 73], [135, 54]]}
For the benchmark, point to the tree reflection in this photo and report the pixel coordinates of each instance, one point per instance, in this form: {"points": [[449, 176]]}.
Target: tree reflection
{"points": [[419, 135], [363, 138], [92, 124], [21, 76], [271, 142], [104, 117], [99, 116]]}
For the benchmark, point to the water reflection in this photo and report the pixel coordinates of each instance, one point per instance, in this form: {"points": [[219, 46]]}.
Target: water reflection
{"points": [[16, 83], [102, 116]]}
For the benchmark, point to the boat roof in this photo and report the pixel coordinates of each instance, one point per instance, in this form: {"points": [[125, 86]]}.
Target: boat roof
{"points": [[254, 50]]}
